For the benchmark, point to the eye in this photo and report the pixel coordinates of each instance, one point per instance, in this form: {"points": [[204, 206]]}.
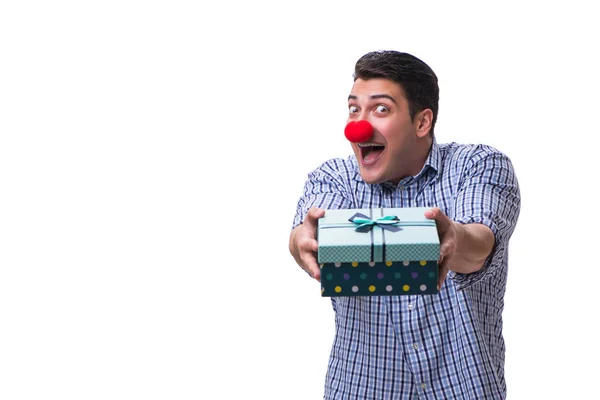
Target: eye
{"points": [[352, 109], [381, 109]]}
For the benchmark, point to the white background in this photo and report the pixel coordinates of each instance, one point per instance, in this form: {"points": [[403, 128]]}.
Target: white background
{"points": [[151, 157]]}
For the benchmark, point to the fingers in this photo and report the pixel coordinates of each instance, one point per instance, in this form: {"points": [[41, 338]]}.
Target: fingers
{"points": [[315, 212], [447, 242], [442, 273], [306, 243], [445, 249], [308, 257], [441, 220], [444, 261], [311, 219], [312, 268]]}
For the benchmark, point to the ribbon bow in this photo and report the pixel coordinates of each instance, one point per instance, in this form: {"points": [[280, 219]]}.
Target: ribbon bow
{"points": [[365, 224]]}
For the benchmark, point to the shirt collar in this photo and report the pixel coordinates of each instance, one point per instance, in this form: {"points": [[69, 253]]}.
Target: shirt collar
{"points": [[432, 162]]}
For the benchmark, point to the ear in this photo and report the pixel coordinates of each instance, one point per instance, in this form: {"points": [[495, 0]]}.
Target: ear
{"points": [[424, 120]]}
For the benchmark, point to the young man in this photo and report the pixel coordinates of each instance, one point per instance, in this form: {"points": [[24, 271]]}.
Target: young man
{"points": [[443, 346]]}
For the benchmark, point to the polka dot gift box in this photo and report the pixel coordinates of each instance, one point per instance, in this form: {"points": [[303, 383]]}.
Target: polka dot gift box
{"points": [[378, 252]]}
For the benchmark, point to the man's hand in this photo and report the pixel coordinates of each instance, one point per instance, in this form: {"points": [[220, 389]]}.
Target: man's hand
{"points": [[463, 248], [303, 243]]}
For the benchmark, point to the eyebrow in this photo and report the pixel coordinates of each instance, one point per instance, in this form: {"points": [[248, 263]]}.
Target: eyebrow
{"points": [[374, 97]]}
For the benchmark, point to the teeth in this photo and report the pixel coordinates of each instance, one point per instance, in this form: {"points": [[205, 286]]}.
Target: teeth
{"points": [[368, 144]]}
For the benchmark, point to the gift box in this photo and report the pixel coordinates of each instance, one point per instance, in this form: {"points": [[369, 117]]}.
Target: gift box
{"points": [[378, 252]]}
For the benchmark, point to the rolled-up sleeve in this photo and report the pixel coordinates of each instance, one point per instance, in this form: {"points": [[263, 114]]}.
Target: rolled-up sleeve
{"points": [[326, 188], [489, 195]]}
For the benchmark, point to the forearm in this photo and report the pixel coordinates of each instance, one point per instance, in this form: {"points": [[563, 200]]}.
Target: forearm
{"points": [[474, 244]]}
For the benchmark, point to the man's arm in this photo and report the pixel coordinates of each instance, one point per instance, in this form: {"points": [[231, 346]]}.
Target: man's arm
{"points": [[487, 202], [463, 247], [324, 189]]}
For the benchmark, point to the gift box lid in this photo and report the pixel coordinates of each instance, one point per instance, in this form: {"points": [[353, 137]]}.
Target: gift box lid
{"points": [[383, 234]]}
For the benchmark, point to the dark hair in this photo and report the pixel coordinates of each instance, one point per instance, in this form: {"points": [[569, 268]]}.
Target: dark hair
{"points": [[417, 79]]}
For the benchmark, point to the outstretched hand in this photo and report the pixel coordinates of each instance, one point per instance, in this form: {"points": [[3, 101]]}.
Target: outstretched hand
{"points": [[304, 245], [449, 232]]}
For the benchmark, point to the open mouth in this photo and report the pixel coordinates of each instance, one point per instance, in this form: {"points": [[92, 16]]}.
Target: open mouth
{"points": [[370, 152]]}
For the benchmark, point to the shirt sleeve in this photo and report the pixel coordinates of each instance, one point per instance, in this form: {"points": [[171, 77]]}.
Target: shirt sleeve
{"points": [[488, 194], [325, 188]]}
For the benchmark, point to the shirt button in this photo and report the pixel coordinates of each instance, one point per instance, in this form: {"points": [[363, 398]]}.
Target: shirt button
{"points": [[410, 306], [423, 385], [415, 346], [400, 187]]}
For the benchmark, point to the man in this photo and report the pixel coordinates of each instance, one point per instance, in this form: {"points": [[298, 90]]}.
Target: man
{"points": [[443, 346]]}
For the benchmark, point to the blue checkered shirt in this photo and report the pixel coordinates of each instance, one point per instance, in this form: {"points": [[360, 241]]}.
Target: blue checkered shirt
{"points": [[444, 346]]}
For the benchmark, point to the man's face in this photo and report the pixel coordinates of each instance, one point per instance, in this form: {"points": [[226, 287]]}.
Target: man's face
{"points": [[392, 152]]}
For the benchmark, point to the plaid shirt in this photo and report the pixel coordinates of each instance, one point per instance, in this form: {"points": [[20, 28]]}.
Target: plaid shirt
{"points": [[444, 346]]}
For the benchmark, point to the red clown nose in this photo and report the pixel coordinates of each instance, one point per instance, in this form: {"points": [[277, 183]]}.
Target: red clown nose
{"points": [[358, 131]]}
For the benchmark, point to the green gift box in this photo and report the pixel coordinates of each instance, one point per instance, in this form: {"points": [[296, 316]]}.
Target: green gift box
{"points": [[378, 252]]}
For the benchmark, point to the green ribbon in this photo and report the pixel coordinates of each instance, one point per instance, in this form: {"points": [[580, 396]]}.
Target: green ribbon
{"points": [[365, 224]]}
